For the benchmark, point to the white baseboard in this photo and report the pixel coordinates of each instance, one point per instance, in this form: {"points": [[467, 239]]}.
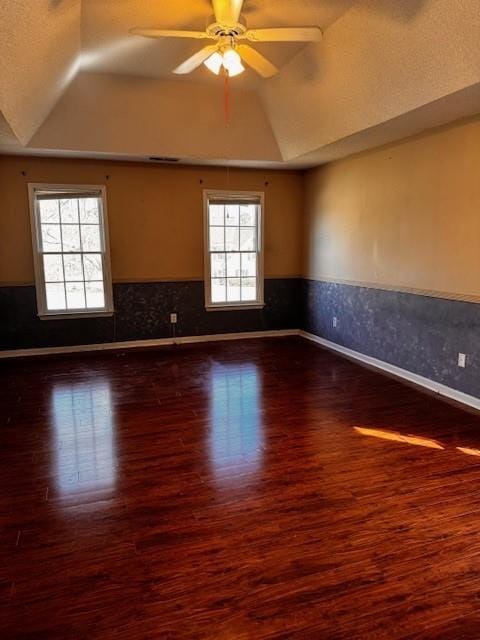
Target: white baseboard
{"points": [[140, 344], [420, 381]]}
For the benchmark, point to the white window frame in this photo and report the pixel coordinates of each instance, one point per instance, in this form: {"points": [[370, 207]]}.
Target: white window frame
{"points": [[234, 196], [66, 189]]}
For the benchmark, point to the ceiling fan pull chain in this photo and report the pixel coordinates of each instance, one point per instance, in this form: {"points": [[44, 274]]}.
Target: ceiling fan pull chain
{"points": [[227, 98]]}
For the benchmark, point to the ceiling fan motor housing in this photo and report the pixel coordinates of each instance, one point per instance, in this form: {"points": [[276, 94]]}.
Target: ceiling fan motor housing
{"points": [[217, 30]]}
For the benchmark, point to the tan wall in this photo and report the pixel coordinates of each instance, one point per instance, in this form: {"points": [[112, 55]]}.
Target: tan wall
{"points": [[406, 215], [155, 215]]}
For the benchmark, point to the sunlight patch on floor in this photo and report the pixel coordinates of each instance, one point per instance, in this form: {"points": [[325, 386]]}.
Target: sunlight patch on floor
{"points": [[399, 437]]}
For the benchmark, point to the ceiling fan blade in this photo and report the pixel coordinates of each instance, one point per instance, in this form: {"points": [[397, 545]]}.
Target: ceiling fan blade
{"points": [[195, 61], [227, 12], [169, 33], [255, 60], [284, 34]]}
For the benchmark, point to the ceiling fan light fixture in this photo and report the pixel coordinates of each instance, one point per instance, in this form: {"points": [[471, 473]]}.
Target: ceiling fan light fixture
{"points": [[228, 29], [214, 63], [232, 63]]}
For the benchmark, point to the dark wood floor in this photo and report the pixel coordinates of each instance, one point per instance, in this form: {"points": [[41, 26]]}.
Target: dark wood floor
{"points": [[231, 491]]}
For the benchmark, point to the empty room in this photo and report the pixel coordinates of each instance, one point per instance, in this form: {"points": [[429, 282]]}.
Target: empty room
{"points": [[239, 319]]}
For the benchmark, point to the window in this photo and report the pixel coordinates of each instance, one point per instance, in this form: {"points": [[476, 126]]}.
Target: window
{"points": [[70, 244], [233, 249]]}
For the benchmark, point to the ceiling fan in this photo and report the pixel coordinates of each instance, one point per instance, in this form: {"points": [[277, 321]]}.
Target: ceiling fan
{"points": [[229, 30]]}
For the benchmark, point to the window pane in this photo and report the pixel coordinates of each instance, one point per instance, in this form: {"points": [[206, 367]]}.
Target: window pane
{"points": [[49, 211], [247, 239], [232, 215], [233, 265], [217, 214], [92, 266], [233, 290], [231, 238], [95, 295], [53, 267], [218, 265], [89, 210], [69, 210], [249, 264], [218, 290], [91, 237], [51, 237], [217, 239], [71, 245], [73, 267], [248, 215], [249, 289], [75, 295], [71, 237], [55, 296]]}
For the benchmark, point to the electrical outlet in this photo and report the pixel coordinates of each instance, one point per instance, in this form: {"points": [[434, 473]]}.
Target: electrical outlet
{"points": [[173, 318], [334, 321], [462, 360]]}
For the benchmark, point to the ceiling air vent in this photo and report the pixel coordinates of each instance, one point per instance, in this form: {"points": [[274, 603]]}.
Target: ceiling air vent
{"points": [[163, 159]]}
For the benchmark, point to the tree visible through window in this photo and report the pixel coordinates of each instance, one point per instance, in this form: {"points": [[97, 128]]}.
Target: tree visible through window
{"points": [[233, 269], [72, 269]]}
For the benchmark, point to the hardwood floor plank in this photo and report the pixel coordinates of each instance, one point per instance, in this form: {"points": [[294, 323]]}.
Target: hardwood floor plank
{"points": [[262, 489]]}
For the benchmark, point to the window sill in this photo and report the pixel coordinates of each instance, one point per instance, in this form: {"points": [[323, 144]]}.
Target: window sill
{"points": [[75, 316], [234, 307]]}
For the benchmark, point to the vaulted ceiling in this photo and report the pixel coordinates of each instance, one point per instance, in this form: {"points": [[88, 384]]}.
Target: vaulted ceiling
{"points": [[74, 81]]}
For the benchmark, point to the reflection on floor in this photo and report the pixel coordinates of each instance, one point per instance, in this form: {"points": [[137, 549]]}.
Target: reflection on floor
{"points": [[236, 430], [81, 415], [238, 490]]}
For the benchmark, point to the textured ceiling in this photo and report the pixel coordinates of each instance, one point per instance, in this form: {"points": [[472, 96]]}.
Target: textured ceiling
{"points": [[380, 60], [7, 137], [161, 104], [39, 47], [74, 81]]}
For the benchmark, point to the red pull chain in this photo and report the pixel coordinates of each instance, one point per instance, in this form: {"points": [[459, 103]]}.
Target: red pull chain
{"points": [[227, 98]]}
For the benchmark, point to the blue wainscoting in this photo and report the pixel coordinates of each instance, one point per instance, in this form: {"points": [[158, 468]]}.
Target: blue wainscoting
{"points": [[418, 333], [142, 311], [415, 332]]}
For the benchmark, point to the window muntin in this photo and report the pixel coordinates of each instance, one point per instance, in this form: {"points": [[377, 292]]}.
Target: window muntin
{"points": [[71, 250], [233, 250]]}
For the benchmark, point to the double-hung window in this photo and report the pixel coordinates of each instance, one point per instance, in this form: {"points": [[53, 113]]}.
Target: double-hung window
{"points": [[71, 254], [233, 249]]}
